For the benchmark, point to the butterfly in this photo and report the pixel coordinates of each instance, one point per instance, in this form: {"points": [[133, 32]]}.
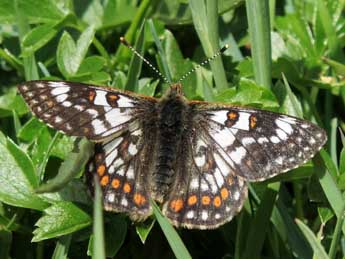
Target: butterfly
{"points": [[195, 158]]}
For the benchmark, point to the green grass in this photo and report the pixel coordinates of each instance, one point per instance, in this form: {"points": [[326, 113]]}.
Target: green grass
{"points": [[45, 208]]}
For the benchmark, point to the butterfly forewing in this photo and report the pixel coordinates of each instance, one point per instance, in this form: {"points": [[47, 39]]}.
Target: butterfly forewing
{"points": [[82, 110], [259, 144]]}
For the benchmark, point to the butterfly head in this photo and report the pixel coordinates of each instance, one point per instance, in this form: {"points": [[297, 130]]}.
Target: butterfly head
{"points": [[176, 89]]}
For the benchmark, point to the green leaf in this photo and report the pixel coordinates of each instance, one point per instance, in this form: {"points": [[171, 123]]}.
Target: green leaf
{"points": [[30, 130], [60, 219], [18, 178], [173, 238], [319, 251], [249, 93], [92, 64], [144, 228], [37, 38], [73, 164], [71, 54]]}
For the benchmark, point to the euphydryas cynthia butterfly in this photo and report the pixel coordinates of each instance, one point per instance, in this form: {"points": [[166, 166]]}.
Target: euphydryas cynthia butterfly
{"points": [[193, 157]]}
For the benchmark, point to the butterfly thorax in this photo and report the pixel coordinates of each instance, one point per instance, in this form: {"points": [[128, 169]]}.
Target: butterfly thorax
{"points": [[172, 117]]}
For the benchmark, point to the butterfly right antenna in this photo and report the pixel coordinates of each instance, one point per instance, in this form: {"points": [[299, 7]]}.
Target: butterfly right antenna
{"points": [[218, 53], [124, 42]]}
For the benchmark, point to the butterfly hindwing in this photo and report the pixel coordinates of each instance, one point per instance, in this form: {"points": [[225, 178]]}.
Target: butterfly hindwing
{"points": [[83, 110], [122, 176], [260, 144], [208, 193]]}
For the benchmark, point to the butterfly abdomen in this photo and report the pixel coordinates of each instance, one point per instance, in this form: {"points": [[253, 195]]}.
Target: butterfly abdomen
{"points": [[170, 130]]}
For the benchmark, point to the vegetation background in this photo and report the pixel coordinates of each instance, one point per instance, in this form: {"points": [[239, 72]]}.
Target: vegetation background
{"points": [[45, 210]]}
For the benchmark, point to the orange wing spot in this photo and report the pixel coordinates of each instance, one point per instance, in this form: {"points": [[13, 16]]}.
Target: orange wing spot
{"points": [[224, 193], [205, 200], [127, 188], [105, 180], [139, 199], [176, 205], [92, 95], [113, 97], [232, 115], [253, 121], [192, 200], [50, 103], [99, 157], [115, 183], [217, 201], [86, 130], [101, 170], [230, 180]]}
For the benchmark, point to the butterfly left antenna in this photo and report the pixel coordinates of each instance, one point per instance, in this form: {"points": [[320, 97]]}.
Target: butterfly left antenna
{"points": [[126, 43]]}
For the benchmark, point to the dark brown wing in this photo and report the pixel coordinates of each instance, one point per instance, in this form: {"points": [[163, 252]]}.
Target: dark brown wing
{"points": [[84, 110]]}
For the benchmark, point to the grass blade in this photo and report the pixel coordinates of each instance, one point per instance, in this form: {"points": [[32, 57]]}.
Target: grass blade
{"points": [[170, 233], [260, 39], [98, 231]]}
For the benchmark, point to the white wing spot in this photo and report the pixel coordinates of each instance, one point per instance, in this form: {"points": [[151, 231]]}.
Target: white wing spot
{"points": [[94, 113], [247, 141], [110, 157], [190, 214], [67, 104], [194, 184], [238, 154], [98, 126], [112, 144], [262, 140], [204, 215], [58, 119], [111, 197], [281, 134], [217, 216], [53, 84], [242, 122], [274, 139], [236, 195], [219, 177], [124, 202], [132, 149], [284, 126], [111, 169], [130, 173], [100, 98], [279, 160], [60, 90], [61, 98], [79, 107], [200, 160]]}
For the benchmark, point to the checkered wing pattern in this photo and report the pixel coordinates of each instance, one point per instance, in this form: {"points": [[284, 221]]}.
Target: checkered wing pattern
{"points": [[211, 194], [122, 176], [230, 146], [259, 144], [83, 110]]}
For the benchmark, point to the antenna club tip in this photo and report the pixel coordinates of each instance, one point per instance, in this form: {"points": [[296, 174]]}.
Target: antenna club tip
{"points": [[123, 41], [226, 46]]}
